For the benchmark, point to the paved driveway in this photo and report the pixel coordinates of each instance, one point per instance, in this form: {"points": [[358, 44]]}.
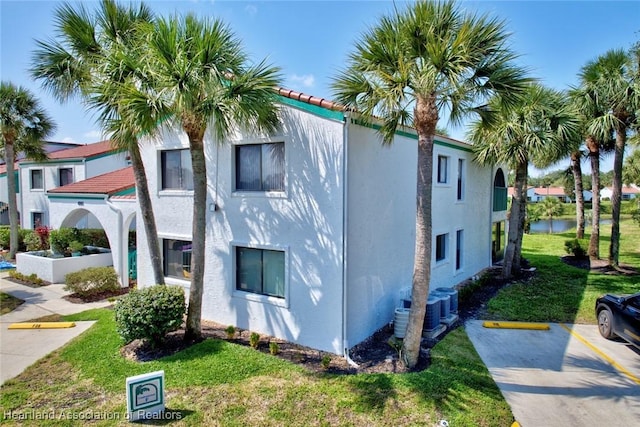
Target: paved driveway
{"points": [[567, 376]]}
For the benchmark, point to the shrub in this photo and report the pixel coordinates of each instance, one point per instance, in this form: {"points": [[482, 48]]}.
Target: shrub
{"points": [[231, 331], [274, 348], [42, 232], [60, 240], [254, 339], [150, 313], [32, 242], [636, 216], [76, 246], [32, 278], [575, 248], [5, 236], [325, 361], [91, 281]]}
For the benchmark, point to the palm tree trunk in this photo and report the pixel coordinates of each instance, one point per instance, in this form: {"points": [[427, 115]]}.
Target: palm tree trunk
{"points": [[516, 221], [576, 169], [426, 115], [146, 209], [594, 156], [616, 194], [194, 312], [517, 256], [14, 222]]}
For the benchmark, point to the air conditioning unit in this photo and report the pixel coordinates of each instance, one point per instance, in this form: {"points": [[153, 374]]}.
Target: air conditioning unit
{"points": [[432, 314], [453, 294], [445, 304]]}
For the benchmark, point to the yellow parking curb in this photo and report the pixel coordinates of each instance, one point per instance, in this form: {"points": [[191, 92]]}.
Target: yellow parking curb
{"points": [[42, 325], [516, 325]]}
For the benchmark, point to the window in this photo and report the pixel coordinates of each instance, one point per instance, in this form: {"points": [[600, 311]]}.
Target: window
{"points": [[260, 167], [459, 243], [37, 180], [177, 173], [65, 176], [460, 193], [441, 246], [37, 219], [443, 163], [176, 258], [260, 271]]}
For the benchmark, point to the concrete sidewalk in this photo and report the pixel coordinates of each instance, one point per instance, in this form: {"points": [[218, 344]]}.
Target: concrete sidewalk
{"points": [[21, 348], [567, 376]]}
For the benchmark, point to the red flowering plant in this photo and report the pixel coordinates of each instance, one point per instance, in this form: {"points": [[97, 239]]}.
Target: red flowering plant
{"points": [[42, 231]]}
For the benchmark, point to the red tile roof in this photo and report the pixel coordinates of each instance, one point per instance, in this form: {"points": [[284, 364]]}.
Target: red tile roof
{"points": [[108, 183], [549, 191], [3, 167], [83, 151], [309, 99]]}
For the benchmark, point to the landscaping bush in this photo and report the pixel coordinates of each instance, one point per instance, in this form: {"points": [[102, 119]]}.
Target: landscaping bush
{"points": [[575, 248], [60, 239], [92, 237], [5, 234], [32, 242], [150, 313], [32, 278], [91, 281]]}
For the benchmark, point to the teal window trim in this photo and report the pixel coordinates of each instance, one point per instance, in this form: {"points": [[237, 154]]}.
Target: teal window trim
{"points": [[499, 199]]}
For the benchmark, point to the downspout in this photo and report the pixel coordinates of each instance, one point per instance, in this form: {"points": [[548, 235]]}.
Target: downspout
{"points": [[345, 200], [123, 274]]}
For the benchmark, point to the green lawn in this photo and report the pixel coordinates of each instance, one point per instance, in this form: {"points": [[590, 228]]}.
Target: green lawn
{"points": [[8, 303], [220, 383], [563, 293]]}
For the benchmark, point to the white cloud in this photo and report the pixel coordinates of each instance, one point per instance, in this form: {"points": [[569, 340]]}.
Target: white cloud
{"points": [[69, 140], [251, 9], [307, 80]]}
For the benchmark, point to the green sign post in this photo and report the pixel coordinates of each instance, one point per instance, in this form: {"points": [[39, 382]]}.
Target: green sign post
{"points": [[145, 396]]}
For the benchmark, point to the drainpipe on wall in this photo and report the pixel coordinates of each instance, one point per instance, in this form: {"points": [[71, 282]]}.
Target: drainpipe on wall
{"points": [[123, 275], [345, 200]]}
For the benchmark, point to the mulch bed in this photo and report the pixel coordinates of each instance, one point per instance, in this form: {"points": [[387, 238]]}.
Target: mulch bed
{"points": [[374, 355], [27, 283], [600, 266]]}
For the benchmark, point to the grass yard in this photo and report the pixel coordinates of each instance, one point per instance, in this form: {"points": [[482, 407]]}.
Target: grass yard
{"points": [[8, 303], [220, 383], [563, 293]]}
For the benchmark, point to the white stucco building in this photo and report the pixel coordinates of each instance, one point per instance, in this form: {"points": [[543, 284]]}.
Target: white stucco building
{"points": [[629, 192], [62, 168], [310, 232]]}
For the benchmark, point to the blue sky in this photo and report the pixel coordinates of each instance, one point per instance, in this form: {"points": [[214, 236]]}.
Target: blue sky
{"points": [[310, 40]]}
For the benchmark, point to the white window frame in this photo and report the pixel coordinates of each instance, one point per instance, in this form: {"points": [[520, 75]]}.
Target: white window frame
{"points": [[278, 194], [184, 282], [31, 187], [33, 220], [445, 258], [459, 264], [60, 175], [440, 179], [250, 296], [171, 191], [461, 180]]}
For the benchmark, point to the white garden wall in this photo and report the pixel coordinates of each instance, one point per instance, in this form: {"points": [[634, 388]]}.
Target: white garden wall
{"points": [[55, 269]]}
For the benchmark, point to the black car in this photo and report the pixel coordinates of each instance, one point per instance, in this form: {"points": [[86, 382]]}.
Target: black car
{"points": [[619, 316]]}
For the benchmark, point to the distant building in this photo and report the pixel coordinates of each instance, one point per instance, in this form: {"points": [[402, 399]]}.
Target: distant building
{"points": [[538, 194], [629, 192]]}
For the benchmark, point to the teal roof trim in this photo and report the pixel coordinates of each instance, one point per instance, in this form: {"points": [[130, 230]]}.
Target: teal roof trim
{"points": [[125, 192], [313, 109], [77, 196], [412, 135]]}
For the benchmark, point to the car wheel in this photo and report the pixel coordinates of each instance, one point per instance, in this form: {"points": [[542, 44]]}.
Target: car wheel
{"points": [[605, 323]]}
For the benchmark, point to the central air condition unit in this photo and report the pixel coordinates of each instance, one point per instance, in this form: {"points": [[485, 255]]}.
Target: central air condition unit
{"points": [[432, 314], [445, 304], [453, 294]]}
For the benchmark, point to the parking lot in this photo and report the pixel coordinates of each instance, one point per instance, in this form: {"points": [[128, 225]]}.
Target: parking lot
{"points": [[567, 376]]}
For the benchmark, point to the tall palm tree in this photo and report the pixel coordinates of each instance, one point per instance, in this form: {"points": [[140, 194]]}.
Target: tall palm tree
{"points": [[631, 169], [408, 68], [612, 78], [575, 169], [537, 130], [548, 208], [79, 62], [196, 77], [23, 126]]}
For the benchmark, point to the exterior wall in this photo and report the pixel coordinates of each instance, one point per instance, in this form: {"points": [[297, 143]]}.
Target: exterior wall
{"points": [[4, 198], [305, 221], [54, 270], [36, 200], [381, 224]]}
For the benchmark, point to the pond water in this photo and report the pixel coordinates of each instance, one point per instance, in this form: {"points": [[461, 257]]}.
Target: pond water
{"points": [[559, 225]]}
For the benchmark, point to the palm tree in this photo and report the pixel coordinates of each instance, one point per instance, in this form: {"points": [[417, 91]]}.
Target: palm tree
{"points": [[23, 126], [612, 79], [195, 76], [77, 63], [631, 169], [406, 70], [548, 208], [537, 130]]}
